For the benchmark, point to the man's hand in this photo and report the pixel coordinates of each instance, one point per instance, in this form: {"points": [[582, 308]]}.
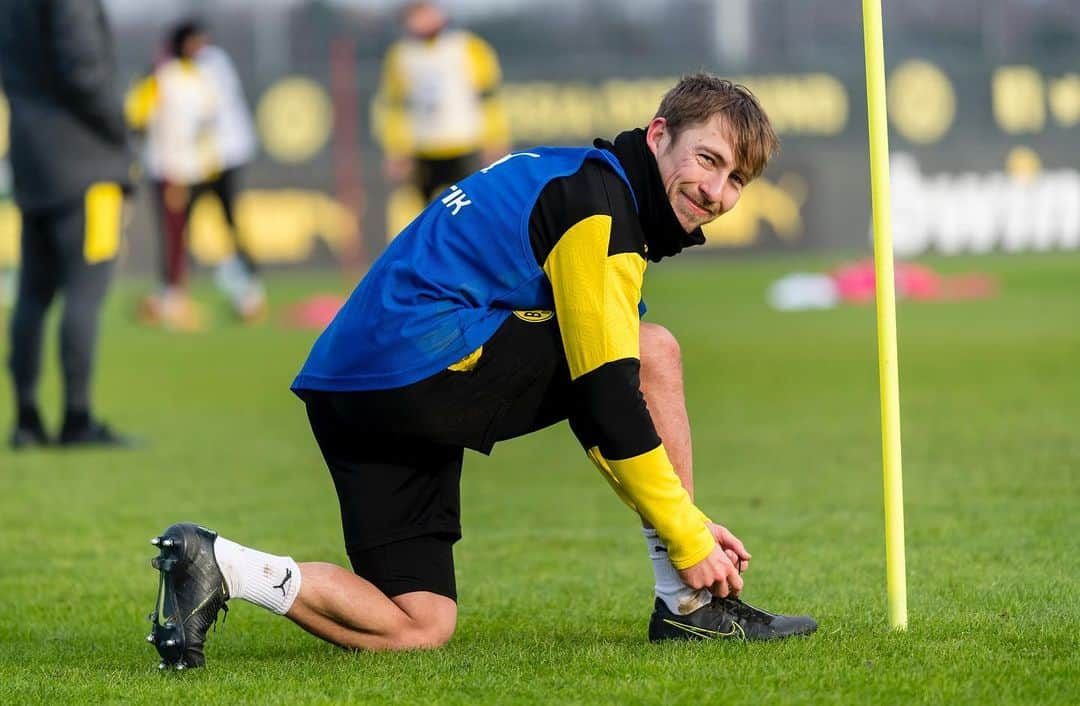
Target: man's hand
{"points": [[715, 572], [731, 545], [720, 571]]}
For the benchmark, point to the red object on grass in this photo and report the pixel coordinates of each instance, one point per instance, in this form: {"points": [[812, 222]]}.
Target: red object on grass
{"points": [[314, 313], [855, 283]]}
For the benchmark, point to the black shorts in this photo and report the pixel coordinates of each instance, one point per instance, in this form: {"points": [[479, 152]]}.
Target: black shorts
{"points": [[395, 455], [434, 175]]}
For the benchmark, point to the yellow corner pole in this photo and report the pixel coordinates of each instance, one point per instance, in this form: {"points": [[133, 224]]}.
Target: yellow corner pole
{"points": [[886, 313]]}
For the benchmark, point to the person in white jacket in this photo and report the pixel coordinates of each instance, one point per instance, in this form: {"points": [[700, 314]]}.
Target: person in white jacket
{"points": [[199, 135]]}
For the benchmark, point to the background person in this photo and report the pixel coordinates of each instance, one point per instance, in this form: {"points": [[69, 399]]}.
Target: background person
{"points": [[70, 162], [175, 107], [454, 341], [198, 135], [438, 114]]}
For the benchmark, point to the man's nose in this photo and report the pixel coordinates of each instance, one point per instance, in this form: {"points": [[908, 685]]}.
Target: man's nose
{"points": [[713, 188]]}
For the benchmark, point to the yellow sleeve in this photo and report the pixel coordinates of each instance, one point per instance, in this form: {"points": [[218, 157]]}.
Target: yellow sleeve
{"points": [[140, 103], [648, 485], [389, 113], [596, 293]]}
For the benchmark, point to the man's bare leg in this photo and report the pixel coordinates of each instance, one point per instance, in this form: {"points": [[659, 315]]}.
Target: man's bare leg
{"points": [[340, 607], [200, 571], [333, 603]]}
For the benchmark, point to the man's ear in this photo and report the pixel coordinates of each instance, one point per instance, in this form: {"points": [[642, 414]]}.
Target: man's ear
{"points": [[656, 133]]}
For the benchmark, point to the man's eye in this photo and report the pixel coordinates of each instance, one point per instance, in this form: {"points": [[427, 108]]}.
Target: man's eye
{"points": [[738, 179], [707, 160]]}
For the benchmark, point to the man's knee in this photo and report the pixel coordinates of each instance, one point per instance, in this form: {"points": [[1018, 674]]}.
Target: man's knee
{"points": [[660, 350], [432, 621], [426, 636]]}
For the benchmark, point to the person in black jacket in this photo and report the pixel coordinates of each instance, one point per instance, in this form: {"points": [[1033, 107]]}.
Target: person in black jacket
{"points": [[70, 161]]}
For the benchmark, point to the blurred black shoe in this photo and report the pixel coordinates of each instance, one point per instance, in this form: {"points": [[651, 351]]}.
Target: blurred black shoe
{"points": [[28, 437], [726, 618], [94, 434]]}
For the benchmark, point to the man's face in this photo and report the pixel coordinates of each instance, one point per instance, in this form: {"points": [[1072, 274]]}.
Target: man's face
{"points": [[424, 21], [194, 43], [697, 169]]}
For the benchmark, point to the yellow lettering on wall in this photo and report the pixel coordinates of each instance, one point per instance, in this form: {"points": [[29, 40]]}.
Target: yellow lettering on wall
{"points": [[1065, 99], [801, 104], [209, 239], [780, 97], [736, 228], [294, 118], [922, 103], [777, 204], [276, 226], [1019, 104], [545, 111], [581, 110], [831, 101], [402, 206], [1023, 163], [533, 110], [630, 103]]}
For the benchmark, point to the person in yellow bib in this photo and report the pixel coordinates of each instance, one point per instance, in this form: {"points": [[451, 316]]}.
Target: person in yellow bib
{"points": [[437, 113], [71, 167]]}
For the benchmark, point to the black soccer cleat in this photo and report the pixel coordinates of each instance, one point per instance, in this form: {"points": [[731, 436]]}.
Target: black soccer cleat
{"points": [[95, 434], [191, 591], [28, 437], [726, 618]]}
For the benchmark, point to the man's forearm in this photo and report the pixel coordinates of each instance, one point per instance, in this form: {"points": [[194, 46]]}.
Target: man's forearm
{"points": [[662, 386]]}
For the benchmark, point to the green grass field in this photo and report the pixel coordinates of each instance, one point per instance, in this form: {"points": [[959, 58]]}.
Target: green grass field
{"points": [[554, 579]]}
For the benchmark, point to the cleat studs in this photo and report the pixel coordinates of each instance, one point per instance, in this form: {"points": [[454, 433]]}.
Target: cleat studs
{"points": [[179, 666], [150, 637], [161, 664], [170, 643], [155, 541], [168, 542]]}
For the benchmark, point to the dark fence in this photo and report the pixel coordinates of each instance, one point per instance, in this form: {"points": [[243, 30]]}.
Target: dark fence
{"points": [[984, 103]]}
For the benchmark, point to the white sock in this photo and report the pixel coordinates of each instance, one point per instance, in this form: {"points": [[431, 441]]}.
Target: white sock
{"points": [[679, 598], [266, 580]]}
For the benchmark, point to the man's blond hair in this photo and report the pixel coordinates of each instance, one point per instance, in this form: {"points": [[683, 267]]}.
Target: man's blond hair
{"points": [[698, 97]]}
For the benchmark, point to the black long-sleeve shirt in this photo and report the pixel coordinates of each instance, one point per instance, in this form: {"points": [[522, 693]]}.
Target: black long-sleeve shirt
{"points": [[58, 72]]}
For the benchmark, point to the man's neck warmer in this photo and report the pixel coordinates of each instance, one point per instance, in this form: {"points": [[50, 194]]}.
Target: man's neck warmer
{"points": [[664, 235]]}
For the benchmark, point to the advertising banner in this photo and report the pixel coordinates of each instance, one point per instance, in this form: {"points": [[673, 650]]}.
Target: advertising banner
{"points": [[985, 157]]}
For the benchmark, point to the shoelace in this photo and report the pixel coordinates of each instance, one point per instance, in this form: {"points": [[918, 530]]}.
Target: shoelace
{"points": [[224, 613], [743, 610]]}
